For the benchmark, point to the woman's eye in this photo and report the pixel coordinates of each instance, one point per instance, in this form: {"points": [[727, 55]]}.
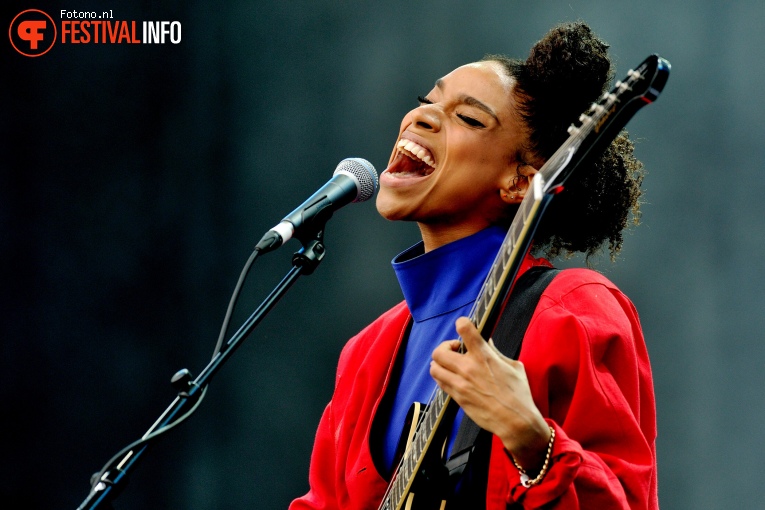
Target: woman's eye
{"points": [[470, 121], [424, 100]]}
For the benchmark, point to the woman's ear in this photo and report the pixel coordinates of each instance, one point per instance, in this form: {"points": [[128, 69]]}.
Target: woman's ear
{"points": [[518, 186]]}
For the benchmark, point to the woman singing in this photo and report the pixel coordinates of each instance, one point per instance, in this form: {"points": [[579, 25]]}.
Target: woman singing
{"points": [[572, 423]]}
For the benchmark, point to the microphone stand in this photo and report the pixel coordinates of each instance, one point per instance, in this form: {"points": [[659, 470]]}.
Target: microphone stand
{"points": [[113, 481]]}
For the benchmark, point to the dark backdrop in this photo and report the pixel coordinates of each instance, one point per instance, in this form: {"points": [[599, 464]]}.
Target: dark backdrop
{"points": [[136, 179]]}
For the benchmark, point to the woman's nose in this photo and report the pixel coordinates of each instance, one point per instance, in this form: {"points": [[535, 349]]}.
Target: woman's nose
{"points": [[426, 117]]}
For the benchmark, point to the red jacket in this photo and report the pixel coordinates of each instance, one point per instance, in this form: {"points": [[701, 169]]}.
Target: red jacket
{"points": [[590, 377]]}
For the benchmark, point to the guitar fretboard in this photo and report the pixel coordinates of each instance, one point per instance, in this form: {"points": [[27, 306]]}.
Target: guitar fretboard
{"points": [[508, 252]]}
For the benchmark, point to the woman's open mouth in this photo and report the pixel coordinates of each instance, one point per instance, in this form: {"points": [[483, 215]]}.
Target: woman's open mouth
{"points": [[412, 160]]}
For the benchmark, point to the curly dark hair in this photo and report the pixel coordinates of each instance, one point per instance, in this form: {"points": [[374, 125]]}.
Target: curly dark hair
{"points": [[565, 72]]}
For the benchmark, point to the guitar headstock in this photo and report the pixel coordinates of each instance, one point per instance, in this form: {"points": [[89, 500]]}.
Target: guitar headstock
{"points": [[599, 125]]}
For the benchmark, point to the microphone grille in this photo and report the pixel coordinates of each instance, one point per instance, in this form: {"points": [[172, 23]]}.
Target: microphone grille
{"points": [[363, 173]]}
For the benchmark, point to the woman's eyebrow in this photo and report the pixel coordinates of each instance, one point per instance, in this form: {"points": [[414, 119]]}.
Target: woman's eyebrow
{"points": [[470, 101]]}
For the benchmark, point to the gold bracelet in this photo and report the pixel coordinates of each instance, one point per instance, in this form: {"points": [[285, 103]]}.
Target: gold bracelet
{"points": [[525, 480]]}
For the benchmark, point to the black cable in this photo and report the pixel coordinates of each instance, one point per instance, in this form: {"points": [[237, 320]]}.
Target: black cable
{"points": [[145, 439], [234, 299], [223, 331]]}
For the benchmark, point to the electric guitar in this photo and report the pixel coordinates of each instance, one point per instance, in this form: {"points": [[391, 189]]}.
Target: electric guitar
{"points": [[588, 137]]}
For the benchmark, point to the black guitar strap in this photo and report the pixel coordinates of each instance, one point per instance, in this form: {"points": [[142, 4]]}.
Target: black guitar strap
{"points": [[472, 444]]}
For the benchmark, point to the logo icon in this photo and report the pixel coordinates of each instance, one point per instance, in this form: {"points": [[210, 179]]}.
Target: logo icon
{"points": [[32, 33]]}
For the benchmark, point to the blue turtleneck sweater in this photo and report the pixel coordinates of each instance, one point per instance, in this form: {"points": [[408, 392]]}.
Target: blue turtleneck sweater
{"points": [[439, 287]]}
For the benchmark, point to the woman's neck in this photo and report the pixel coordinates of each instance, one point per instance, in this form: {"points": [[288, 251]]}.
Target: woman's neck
{"points": [[434, 235]]}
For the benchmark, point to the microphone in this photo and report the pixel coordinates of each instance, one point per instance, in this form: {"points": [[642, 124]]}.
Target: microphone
{"points": [[354, 180]]}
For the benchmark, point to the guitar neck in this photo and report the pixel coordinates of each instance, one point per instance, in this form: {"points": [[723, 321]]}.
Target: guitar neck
{"points": [[487, 307]]}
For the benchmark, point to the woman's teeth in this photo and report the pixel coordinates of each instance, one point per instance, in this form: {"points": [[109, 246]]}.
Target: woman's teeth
{"points": [[416, 151]]}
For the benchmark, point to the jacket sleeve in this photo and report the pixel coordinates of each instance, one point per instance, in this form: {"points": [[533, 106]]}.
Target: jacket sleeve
{"points": [[589, 373], [322, 470]]}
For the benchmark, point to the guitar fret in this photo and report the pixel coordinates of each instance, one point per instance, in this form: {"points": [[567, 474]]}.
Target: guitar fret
{"points": [[505, 254], [516, 232], [495, 277], [479, 306], [482, 304]]}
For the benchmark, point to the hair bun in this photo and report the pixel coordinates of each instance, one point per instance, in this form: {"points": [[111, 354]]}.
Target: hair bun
{"points": [[565, 72]]}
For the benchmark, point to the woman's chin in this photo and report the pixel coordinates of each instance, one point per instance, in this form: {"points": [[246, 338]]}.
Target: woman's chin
{"points": [[389, 207]]}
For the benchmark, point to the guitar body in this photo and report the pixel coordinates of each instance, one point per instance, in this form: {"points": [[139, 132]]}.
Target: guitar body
{"points": [[431, 480]]}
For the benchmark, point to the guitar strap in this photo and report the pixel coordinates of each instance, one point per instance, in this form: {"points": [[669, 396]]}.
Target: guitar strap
{"points": [[472, 445]]}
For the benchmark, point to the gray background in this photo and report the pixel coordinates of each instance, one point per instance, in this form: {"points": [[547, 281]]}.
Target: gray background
{"points": [[136, 179]]}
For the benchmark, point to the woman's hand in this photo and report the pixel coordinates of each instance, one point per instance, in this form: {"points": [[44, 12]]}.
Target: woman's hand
{"points": [[493, 390]]}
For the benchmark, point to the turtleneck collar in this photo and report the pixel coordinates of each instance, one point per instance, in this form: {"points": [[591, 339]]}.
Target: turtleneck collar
{"points": [[448, 277]]}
